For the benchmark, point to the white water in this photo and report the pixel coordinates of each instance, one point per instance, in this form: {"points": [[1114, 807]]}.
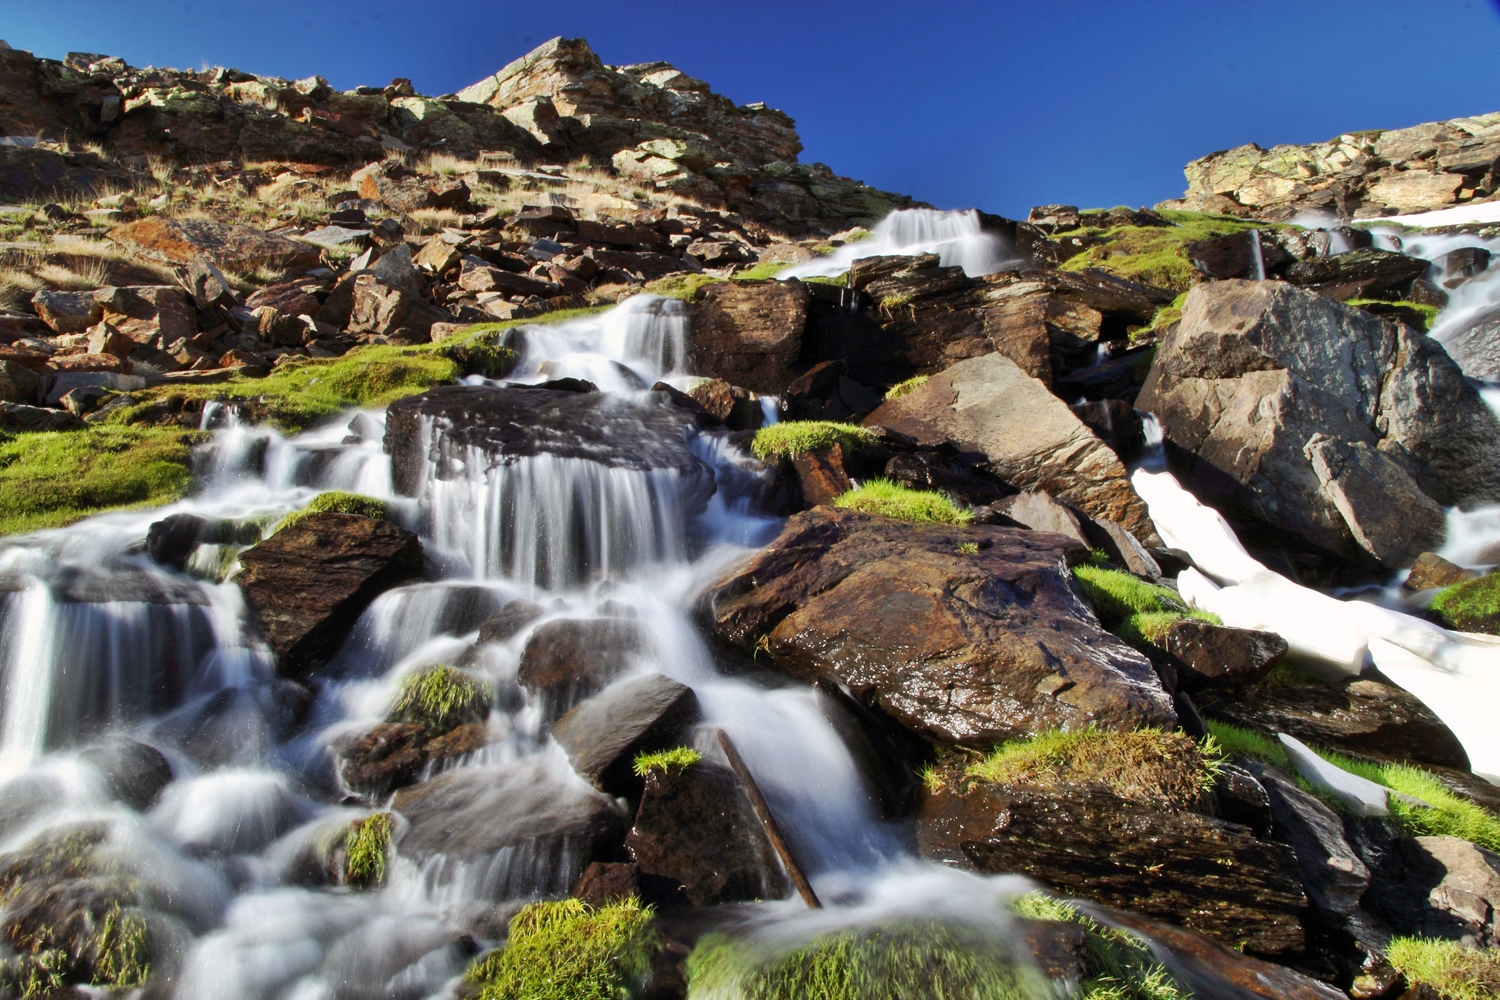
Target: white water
{"points": [[956, 237]]}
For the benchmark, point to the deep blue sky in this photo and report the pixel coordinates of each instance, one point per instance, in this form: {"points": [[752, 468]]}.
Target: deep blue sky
{"points": [[1000, 105]]}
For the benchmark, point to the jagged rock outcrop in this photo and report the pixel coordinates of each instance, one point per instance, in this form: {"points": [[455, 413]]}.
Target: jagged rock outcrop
{"points": [[1356, 175], [965, 647], [1306, 420]]}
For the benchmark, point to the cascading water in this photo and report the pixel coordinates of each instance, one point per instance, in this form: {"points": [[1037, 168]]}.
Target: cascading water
{"points": [[956, 237]]}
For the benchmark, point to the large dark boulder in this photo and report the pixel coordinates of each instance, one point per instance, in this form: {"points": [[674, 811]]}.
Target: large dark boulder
{"points": [[392, 755], [603, 734], [964, 635], [1208, 655], [1332, 873], [1361, 716], [569, 659], [134, 773], [1207, 874], [696, 826], [1359, 272], [1476, 347], [1307, 423], [1025, 436], [307, 584], [528, 830], [748, 333]]}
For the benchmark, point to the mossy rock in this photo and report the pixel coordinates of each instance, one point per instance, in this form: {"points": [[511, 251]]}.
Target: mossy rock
{"points": [[441, 699], [1137, 611], [568, 950], [337, 502], [795, 438], [1471, 606]]}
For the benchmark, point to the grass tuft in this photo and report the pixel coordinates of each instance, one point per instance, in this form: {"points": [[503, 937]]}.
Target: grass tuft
{"points": [[1119, 965], [902, 388], [1136, 611], [672, 761], [794, 438], [337, 502], [53, 478], [905, 959], [122, 950], [441, 698], [1455, 971], [366, 845], [1151, 254], [888, 499], [1471, 606], [567, 950], [1146, 765]]}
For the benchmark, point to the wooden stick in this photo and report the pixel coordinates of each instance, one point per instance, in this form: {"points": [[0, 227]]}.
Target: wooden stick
{"points": [[773, 832]]}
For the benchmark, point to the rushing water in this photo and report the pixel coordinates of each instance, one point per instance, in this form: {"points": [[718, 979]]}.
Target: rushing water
{"points": [[956, 237]]}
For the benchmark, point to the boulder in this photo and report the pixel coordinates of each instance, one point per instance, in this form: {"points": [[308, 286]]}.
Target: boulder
{"points": [[821, 476], [1209, 875], [696, 827], [603, 734], [1439, 887], [157, 316], [134, 773], [1209, 655], [1250, 253], [391, 313], [925, 470], [183, 241], [307, 584], [1476, 347], [1360, 716], [393, 755], [509, 621], [1357, 273], [67, 312], [963, 635], [1040, 511], [21, 417], [1022, 434], [18, 383], [1256, 371], [402, 189], [569, 659], [524, 829], [604, 882], [748, 333], [1430, 571], [1333, 874]]}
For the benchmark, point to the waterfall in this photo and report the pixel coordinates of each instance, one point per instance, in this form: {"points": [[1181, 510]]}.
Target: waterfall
{"points": [[956, 237], [1259, 274]]}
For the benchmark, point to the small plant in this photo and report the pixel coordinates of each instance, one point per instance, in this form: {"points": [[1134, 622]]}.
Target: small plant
{"points": [[1136, 611], [888, 499], [337, 502], [794, 438], [902, 388], [891, 303], [441, 699], [1119, 966], [1455, 971], [567, 950], [122, 950], [968, 548], [366, 845], [1146, 765], [668, 762]]}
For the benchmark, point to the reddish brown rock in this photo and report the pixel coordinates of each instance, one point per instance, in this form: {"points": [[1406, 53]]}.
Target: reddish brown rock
{"points": [[748, 333], [182, 241], [307, 584], [964, 635], [395, 754], [67, 312], [822, 476], [90, 363]]}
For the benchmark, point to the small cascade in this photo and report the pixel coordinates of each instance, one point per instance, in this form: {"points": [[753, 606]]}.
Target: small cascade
{"points": [[956, 237], [1259, 274]]}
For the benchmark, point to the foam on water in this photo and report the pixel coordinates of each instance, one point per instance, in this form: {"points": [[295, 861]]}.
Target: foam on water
{"points": [[956, 237]]}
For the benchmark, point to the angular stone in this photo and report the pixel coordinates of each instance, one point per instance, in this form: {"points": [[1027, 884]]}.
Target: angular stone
{"points": [[307, 584], [183, 241], [821, 476], [21, 417], [1027, 437], [509, 621], [696, 827], [967, 647], [1247, 254], [1210, 655], [1431, 570], [748, 333], [926, 471], [1476, 348], [1333, 874], [1211, 876], [67, 312], [392, 313], [569, 659], [1039, 511], [18, 383], [1385, 511], [393, 755], [603, 734]]}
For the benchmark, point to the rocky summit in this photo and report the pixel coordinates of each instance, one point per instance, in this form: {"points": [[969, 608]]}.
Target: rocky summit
{"points": [[546, 540]]}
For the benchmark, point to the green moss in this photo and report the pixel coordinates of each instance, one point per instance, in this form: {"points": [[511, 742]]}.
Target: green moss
{"points": [[336, 502], [1118, 965], [1165, 316], [968, 548], [1136, 611], [893, 962], [441, 698], [1153, 255], [1471, 606], [895, 301], [1456, 972], [761, 271], [366, 845], [793, 438], [1146, 764], [680, 286], [53, 478], [1238, 742], [567, 950], [123, 950], [902, 388], [671, 761], [1427, 313], [887, 499]]}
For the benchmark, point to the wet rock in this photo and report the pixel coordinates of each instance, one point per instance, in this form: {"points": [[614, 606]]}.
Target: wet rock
{"points": [[67, 312], [1476, 347], [748, 333], [1116, 423], [1358, 272], [1256, 370], [21, 417], [1389, 516], [134, 772], [1039, 511], [1431, 570], [927, 471], [531, 831], [307, 584], [696, 827], [509, 621], [1027, 437], [514, 423], [603, 734], [969, 647], [825, 392], [1334, 875], [736, 408], [1208, 655], [605, 882], [569, 659], [1239, 798], [1207, 874], [1364, 717], [821, 476], [1247, 254], [393, 755], [172, 540], [183, 241], [1465, 262]]}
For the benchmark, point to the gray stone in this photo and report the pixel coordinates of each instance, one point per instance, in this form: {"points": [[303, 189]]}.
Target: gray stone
{"points": [[1476, 347], [20, 417], [1039, 511], [1332, 872], [67, 312], [337, 237], [603, 734], [1388, 515], [18, 383], [59, 385]]}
